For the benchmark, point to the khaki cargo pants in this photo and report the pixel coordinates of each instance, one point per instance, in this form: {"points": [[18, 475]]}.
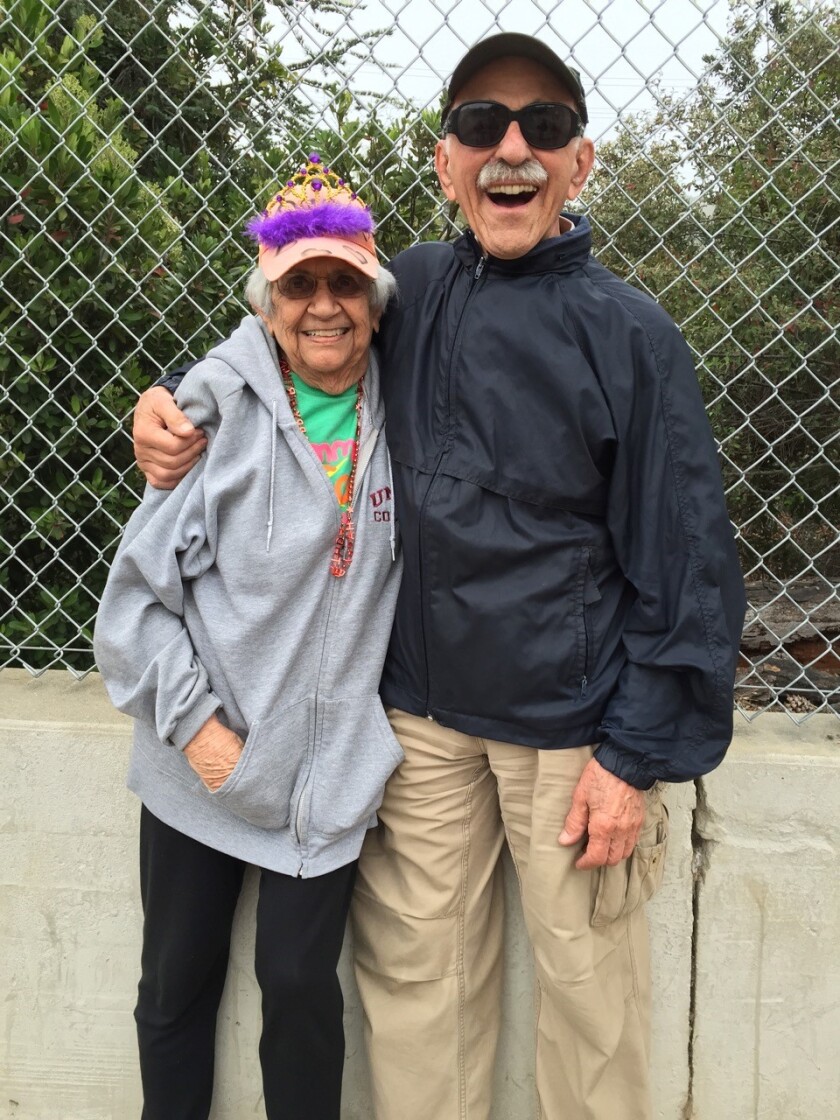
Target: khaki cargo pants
{"points": [[428, 934]]}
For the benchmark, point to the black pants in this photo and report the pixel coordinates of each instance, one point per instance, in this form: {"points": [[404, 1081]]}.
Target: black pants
{"points": [[189, 896]]}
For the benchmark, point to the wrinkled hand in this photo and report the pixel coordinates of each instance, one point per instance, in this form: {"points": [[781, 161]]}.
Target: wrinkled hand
{"points": [[610, 811], [213, 752], [166, 445]]}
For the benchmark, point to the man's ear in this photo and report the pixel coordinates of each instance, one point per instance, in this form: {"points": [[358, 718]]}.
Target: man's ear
{"points": [[442, 168], [584, 162]]}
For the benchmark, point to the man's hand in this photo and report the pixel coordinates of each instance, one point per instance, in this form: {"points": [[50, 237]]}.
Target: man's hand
{"points": [[610, 811], [213, 752], [166, 445]]}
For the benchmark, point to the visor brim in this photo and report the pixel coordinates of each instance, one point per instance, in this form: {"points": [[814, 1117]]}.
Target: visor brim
{"points": [[274, 263]]}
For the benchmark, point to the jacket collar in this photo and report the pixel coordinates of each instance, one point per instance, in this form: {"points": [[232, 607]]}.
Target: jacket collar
{"points": [[566, 253]]}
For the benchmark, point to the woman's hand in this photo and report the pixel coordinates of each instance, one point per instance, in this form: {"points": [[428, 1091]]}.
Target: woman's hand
{"points": [[213, 752], [166, 445]]}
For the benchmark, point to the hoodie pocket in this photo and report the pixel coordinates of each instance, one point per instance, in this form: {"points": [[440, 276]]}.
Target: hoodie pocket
{"points": [[260, 787], [357, 753]]}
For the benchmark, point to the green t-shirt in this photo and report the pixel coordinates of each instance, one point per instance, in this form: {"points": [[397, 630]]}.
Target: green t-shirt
{"points": [[330, 424]]}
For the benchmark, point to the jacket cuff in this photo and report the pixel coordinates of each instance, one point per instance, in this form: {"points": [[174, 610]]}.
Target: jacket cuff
{"points": [[169, 381], [629, 767], [192, 723], [173, 378]]}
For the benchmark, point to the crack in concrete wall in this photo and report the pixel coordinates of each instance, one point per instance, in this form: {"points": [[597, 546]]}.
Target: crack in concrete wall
{"points": [[701, 849]]}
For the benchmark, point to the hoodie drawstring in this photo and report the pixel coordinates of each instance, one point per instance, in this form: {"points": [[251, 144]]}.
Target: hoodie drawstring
{"points": [[270, 522], [393, 533]]}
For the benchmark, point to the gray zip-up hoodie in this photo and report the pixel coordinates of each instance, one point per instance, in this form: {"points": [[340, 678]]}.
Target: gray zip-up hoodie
{"points": [[220, 599]]}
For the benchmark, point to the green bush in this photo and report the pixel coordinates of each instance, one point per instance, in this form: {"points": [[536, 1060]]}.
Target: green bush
{"points": [[123, 254], [731, 218], [85, 288]]}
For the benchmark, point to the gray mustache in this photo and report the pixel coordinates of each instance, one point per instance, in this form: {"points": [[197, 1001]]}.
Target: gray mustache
{"points": [[499, 172]]}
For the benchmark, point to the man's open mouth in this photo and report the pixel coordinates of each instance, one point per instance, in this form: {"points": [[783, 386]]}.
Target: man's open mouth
{"points": [[511, 194]]}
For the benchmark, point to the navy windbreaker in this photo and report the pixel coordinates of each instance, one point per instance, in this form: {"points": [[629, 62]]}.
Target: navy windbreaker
{"points": [[570, 570]]}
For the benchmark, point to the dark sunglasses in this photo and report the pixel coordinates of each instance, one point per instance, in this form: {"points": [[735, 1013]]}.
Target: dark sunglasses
{"points": [[343, 285], [482, 124]]}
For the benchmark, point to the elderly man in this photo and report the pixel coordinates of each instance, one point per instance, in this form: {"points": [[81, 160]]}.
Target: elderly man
{"points": [[567, 628]]}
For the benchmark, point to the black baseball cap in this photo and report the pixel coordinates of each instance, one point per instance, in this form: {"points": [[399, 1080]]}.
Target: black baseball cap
{"points": [[512, 45]]}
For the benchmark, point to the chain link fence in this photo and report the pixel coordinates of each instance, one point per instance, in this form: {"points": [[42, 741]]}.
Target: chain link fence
{"points": [[136, 137]]}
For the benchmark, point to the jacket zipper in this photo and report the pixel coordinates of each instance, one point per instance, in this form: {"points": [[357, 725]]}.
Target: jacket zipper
{"points": [[476, 277], [584, 680]]}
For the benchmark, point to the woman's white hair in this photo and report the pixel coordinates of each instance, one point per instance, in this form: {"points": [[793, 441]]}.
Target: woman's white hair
{"points": [[258, 291]]}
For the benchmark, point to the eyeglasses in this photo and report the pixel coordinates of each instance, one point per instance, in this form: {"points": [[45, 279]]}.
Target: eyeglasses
{"points": [[302, 285], [482, 124]]}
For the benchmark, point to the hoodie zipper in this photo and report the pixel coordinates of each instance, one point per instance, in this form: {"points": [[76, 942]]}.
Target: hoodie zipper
{"points": [[298, 825], [476, 278], [365, 455]]}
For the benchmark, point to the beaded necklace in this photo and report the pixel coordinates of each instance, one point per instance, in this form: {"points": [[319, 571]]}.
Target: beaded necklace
{"points": [[342, 553]]}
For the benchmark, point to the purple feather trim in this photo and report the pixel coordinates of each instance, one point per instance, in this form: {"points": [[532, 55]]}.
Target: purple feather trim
{"points": [[329, 219]]}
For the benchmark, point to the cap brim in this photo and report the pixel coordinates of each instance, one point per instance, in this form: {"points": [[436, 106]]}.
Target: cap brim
{"points": [[275, 262], [511, 44]]}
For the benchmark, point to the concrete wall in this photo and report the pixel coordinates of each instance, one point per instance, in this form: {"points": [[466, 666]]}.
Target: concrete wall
{"points": [[745, 932]]}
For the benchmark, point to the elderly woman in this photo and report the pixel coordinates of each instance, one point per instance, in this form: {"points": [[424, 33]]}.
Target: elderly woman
{"points": [[244, 627]]}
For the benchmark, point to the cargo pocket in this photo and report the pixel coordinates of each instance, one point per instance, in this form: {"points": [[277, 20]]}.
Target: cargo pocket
{"points": [[356, 753], [625, 887], [260, 787]]}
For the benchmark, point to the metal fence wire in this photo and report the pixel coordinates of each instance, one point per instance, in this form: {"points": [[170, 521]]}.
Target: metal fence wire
{"points": [[136, 137]]}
